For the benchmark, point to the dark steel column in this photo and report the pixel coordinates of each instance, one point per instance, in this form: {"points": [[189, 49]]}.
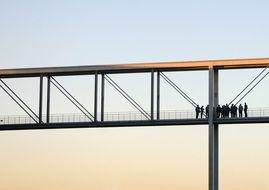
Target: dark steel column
{"points": [[40, 98], [102, 96], [95, 96], [48, 100], [152, 95], [213, 131], [158, 95]]}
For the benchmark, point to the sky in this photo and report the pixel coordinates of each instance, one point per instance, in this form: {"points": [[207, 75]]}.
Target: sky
{"points": [[69, 33]]}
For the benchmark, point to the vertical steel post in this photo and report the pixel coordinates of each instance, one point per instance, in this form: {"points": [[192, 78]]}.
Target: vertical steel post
{"points": [[102, 96], [158, 95], [48, 100], [213, 134], [152, 94], [95, 96], [40, 99]]}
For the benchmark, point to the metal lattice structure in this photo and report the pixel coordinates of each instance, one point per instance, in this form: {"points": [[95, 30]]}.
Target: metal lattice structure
{"points": [[147, 118]]}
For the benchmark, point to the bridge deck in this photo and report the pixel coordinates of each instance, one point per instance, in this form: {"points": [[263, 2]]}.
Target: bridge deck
{"points": [[142, 123], [124, 119]]}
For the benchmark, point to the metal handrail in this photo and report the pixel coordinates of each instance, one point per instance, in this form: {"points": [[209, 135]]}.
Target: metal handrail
{"points": [[118, 116]]}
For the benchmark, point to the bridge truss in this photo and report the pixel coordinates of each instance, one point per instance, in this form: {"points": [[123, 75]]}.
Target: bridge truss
{"points": [[150, 118]]}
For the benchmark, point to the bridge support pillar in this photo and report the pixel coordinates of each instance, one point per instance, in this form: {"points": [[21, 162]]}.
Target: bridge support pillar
{"points": [[213, 134]]}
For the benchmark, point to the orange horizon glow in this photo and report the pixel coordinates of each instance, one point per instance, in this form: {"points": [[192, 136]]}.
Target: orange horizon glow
{"points": [[131, 158]]}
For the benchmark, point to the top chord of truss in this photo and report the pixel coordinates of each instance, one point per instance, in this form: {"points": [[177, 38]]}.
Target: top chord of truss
{"points": [[135, 67]]}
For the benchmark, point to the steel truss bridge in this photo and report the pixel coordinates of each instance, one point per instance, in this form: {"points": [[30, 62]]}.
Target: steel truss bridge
{"points": [[141, 118]]}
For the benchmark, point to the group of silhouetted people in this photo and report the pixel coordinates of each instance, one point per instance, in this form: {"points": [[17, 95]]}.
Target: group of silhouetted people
{"points": [[201, 111], [224, 111]]}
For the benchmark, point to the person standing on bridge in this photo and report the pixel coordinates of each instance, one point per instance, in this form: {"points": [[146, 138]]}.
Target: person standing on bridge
{"points": [[202, 111], [232, 111], [207, 111], [223, 111], [218, 111], [197, 110], [235, 111], [246, 109], [240, 108]]}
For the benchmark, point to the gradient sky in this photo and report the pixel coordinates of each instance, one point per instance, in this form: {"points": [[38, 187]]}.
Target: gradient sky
{"points": [[61, 33]]}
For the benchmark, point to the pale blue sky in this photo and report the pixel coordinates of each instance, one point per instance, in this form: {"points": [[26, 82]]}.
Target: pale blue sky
{"points": [[52, 33]]}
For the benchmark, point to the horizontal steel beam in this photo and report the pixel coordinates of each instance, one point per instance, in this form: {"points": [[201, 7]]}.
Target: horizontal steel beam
{"points": [[135, 68], [145, 123], [247, 120], [103, 124]]}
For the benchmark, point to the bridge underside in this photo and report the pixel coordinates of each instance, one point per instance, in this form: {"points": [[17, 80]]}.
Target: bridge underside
{"points": [[104, 124]]}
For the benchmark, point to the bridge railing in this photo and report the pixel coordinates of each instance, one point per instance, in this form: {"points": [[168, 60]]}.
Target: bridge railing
{"points": [[258, 112], [119, 116], [109, 116]]}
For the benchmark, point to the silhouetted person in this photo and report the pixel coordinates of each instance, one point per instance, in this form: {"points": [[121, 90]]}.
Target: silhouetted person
{"points": [[202, 111], [235, 111], [246, 110], [197, 110], [228, 110], [232, 111], [223, 111], [218, 111], [207, 111], [240, 108]]}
